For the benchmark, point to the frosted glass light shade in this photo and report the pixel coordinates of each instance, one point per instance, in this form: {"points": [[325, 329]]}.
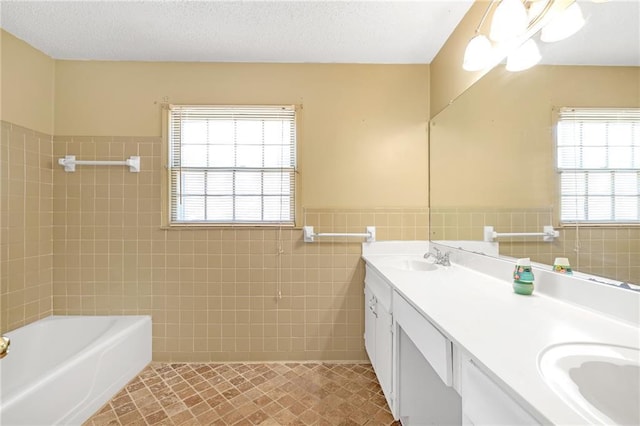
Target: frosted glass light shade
{"points": [[524, 57], [477, 53], [564, 25], [509, 20], [535, 9]]}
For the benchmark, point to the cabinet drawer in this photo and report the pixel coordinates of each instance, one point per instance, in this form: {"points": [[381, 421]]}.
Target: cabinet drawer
{"points": [[434, 346], [379, 287]]}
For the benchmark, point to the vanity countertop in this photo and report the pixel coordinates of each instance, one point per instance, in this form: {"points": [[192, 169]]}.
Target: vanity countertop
{"points": [[503, 331]]}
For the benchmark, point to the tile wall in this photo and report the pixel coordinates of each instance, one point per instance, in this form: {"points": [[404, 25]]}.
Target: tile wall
{"points": [[90, 242], [26, 252], [214, 294], [605, 251]]}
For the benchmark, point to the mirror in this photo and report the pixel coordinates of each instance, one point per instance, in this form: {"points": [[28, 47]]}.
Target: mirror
{"points": [[492, 159]]}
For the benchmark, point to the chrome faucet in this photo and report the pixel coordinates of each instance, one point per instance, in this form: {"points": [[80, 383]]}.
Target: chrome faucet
{"points": [[440, 258], [4, 346]]}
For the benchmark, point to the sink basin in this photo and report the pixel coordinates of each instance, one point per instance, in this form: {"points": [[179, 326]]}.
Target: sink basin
{"points": [[410, 264], [599, 381]]}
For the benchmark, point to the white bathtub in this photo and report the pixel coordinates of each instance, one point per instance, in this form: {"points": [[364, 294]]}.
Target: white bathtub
{"points": [[62, 369]]}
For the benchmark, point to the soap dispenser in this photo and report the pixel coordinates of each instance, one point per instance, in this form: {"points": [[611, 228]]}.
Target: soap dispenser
{"points": [[523, 277]]}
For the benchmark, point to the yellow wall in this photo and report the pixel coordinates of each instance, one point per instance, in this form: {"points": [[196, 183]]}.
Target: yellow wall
{"points": [[27, 88], [363, 136]]}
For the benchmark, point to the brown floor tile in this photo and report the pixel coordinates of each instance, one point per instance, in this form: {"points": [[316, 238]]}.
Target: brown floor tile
{"points": [[224, 408], [149, 409], [272, 409], [193, 401], [270, 422], [103, 419], [200, 408], [285, 417], [247, 409], [297, 408], [208, 417], [276, 394], [233, 417], [132, 418], [214, 401], [258, 417], [156, 417], [176, 408]]}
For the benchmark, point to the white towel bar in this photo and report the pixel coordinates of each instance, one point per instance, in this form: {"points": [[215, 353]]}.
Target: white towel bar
{"points": [[309, 235], [69, 163], [548, 234]]}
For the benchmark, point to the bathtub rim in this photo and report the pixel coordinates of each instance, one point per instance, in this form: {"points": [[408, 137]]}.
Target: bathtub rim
{"points": [[135, 323]]}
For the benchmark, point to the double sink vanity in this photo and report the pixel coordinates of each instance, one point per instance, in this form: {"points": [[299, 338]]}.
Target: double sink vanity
{"points": [[455, 345]]}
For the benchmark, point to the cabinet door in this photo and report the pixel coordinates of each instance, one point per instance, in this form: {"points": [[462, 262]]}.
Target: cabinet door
{"points": [[384, 342], [370, 324], [485, 403]]}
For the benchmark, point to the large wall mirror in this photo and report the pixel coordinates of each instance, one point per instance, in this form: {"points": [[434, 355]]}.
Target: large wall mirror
{"points": [[492, 150]]}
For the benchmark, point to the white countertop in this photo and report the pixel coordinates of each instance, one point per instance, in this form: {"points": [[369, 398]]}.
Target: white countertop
{"points": [[503, 331]]}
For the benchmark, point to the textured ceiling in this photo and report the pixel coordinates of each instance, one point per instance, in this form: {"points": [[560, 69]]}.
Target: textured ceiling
{"points": [[330, 31], [236, 31]]}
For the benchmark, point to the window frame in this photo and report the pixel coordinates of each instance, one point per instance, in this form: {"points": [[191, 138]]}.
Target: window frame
{"points": [[167, 195], [557, 118]]}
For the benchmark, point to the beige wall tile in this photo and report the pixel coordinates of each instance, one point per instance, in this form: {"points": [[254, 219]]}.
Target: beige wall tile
{"points": [[607, 251], [26, 226], [214, 293]]}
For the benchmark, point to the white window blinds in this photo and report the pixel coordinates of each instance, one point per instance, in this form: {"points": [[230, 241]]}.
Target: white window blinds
{"points": [[232, 165], [598, 158]]}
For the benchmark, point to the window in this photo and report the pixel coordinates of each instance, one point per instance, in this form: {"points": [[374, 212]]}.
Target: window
{"points": [[598, 158], [232, 165]]}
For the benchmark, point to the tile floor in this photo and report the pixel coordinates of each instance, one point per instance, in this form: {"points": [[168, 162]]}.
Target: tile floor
{"points": [[249, 394]]}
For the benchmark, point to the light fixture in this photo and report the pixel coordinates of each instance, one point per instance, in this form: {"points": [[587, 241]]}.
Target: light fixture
{"points": [[477, 53], [509, 21], [566, 24], [513, 24], [535, 9], [524, 57]]}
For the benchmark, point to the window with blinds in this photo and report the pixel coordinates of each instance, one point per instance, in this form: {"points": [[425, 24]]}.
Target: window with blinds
{"points": [[598, 158], [232, 165]]}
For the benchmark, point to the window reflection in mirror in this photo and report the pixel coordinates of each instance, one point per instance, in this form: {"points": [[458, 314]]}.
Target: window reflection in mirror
{"points": [[493, 162]]}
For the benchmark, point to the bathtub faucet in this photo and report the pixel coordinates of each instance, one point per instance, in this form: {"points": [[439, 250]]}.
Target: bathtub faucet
{"points": [[4, 346]]}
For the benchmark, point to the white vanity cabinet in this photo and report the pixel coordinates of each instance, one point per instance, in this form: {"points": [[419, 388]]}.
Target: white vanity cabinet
{"points": [[467, 350], [378, 331]]}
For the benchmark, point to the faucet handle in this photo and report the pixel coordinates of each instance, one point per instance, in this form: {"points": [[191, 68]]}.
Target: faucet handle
{"points": [[5, 342], [438, 252]]}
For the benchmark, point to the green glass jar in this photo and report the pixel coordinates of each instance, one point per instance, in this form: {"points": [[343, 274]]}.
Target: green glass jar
{"points": [[523, 277]]}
